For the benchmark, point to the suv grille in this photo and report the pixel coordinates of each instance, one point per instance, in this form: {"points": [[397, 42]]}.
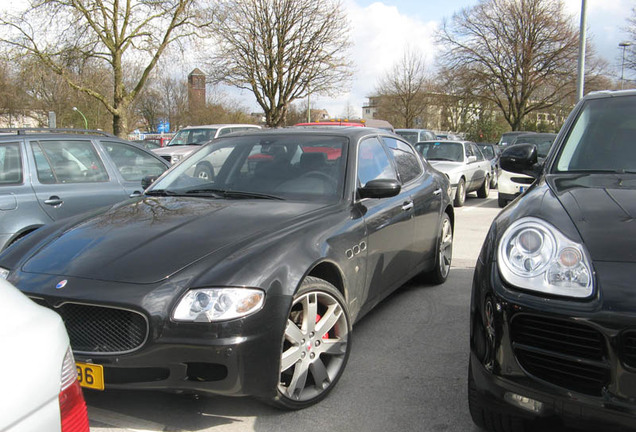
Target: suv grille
{"points": [[102, 330], [629, 348], [565, 353]]}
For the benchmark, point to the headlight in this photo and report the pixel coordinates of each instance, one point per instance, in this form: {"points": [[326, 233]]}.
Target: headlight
{"points": [[534, 255], [218, 304], [4, 273]]}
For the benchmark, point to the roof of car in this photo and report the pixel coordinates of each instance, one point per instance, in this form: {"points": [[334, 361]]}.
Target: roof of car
{"points": [[217, 126], [347, 131], [12, 132]]}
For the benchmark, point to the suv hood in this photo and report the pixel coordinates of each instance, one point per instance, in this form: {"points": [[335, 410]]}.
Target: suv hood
{"points": [[603, 209], [153, 238], [183, 150]]}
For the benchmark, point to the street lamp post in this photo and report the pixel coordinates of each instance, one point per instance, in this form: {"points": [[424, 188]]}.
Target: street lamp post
{"points": [[83, 116], [623, 45]]}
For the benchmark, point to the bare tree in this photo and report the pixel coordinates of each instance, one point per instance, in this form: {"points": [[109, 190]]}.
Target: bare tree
{"points": [[630, 50], [119, 35], [282, 49], [402, 90], [518, 54]]}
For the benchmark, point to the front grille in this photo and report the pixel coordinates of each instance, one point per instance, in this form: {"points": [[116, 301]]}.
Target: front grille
{"points": [[566, 353], [629, 348], [102, 330]]}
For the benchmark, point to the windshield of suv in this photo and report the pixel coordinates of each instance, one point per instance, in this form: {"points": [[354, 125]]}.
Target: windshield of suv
{"points": [[292, 167], [192, 137], [441, 151], [410, 136], [543, 142], [603, 137]]}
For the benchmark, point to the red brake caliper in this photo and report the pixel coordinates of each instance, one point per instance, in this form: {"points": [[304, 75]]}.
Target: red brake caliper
{"points": [[326, 335]]}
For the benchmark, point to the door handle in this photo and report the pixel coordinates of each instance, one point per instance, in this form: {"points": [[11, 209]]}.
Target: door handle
{"points": [[408, 205], [53, 201], [437, 192]]}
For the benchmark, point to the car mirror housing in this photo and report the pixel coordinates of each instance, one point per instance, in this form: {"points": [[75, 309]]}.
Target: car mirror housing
{"points": [[380, 188], [521, 159], [148, 180], [471, 159]]}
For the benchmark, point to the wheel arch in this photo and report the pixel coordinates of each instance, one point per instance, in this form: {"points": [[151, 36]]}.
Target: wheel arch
{"points": [[20, 234], [329, 272]]}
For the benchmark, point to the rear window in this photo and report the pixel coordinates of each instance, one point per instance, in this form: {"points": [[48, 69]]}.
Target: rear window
{"points": [[10, 163]]}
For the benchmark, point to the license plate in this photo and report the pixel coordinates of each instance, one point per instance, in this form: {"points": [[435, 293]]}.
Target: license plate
{"points": [[521, 188], [90, 375]]}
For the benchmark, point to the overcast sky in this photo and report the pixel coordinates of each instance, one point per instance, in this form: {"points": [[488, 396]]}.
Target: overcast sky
{"points": [[381, 30]]}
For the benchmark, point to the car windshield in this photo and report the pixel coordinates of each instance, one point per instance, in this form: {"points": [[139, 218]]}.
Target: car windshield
{"points": [[410, 136], [488, 151], [542, 142], [290, 167], [192, 137], [603, 137], [441, 151]]}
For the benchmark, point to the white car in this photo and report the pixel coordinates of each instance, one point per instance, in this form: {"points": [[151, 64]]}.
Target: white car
{"points": [[511, 185], [39, 390], [191, 138], [463, 163]]}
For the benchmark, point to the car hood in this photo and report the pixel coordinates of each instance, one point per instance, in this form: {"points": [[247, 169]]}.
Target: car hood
{"points": [[446, 166], [603, 209], [176, 150], [151, 239]]}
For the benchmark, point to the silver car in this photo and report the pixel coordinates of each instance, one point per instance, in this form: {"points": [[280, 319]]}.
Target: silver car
{"points": [[45, 176], [464, 164], [189, 139]]}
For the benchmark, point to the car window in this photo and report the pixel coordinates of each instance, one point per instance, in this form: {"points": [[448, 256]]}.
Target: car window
{"points": [[132, 163], [192, 137], [468, 151], [441, 151], [602, 138], [61, 161], [287, 166], [225, 131], [476, 152], [411, 136], [407, 162], [10, 163], [373, 162]]}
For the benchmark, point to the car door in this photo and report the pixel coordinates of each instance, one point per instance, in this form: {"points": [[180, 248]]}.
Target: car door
{"points": [[132, 164], [389, 223], [71, 178], [425, 193], [482, 166], [471, 167]]}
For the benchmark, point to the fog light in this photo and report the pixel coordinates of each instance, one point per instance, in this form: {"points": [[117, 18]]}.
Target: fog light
{"points": [[524, 402]]}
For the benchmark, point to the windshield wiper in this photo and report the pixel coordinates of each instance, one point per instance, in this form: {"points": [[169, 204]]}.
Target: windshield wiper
{"points": [[233, 194], [443, 159], [161, 192]]}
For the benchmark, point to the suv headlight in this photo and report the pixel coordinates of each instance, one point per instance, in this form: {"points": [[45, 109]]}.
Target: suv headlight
{"points": [[4, 273], [534, 255], [218, 304]]}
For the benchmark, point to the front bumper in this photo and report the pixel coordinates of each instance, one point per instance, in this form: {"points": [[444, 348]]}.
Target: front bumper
{"points": [[576, 359], [127, 329]]}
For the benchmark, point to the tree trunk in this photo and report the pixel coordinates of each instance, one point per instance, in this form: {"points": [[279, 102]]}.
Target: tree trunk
{"points": [[120, 126]]}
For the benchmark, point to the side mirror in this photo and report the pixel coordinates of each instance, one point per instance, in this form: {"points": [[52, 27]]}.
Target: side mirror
{"points": [[148, 180], [380, 188], [471, 159], [521, 159]]}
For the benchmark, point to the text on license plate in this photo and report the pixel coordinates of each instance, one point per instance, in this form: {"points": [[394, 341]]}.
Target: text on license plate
{"points": [[90, 375]]}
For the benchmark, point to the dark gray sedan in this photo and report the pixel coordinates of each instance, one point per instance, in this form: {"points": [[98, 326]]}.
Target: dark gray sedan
{"points": [[47, 176]]}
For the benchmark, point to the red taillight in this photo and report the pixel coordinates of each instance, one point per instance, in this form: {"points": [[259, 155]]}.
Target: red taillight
{"points": [[72, 405], [73, 409]]}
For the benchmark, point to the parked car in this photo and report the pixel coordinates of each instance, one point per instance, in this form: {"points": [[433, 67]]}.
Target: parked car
{"points": [[511, 185], [463, 163], [447, 136], [47, 175], [374, 123], [553, 311], [269, 264], [416, 135], [492, 152], [507, 137], [40, 390], [191, 138]]}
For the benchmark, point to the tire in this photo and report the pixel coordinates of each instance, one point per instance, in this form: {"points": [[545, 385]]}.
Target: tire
{"points": [[204, 171], [484, 190], [487, 418], [443, 255], [460, 195], [502, 202], [312, 363], [494, 181]]}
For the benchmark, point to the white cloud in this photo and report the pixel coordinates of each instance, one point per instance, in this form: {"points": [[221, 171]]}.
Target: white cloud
{"points": [[380, 34]]}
